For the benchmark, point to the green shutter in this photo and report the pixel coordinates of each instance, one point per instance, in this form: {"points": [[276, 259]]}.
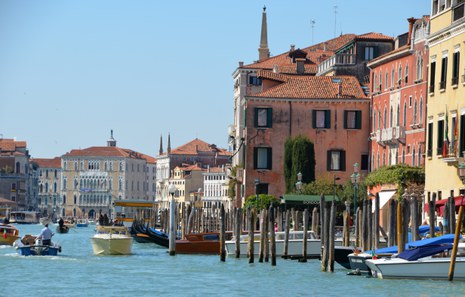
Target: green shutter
{"points": [[255, 155], [255, 121], [345, 119], [358, 119], [269, 157], [327, 119], [328, 160], [313, 119], [342, 166], [269, 117]]}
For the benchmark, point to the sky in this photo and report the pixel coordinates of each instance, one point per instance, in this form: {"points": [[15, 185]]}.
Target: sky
{"points": [[72, 71]]}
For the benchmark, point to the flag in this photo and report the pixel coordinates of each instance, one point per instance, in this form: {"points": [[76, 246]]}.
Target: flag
{"points": [[4, 233], [445, 145]]}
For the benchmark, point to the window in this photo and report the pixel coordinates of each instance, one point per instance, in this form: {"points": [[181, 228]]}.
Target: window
{"points": [[386, 80], [321, 119], [415, 112], [398, 115], [392, 78], [253, 80], [420, 111], [369, 53], [430, 140], [440, 139], [364, 163], [385, 118], [262, 158], [432, 76], [374, 120], [404, 120], [455, 68], [336, 160], [352, 119], [263, 117], [390, 117], [399, 76], [442, 83], [462, 135], [406, 74]]}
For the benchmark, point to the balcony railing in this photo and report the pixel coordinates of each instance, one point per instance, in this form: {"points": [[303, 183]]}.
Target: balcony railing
{"points": [[336, 60], [393, 135]]}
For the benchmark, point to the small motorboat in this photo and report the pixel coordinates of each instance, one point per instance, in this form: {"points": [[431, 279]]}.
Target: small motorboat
{"points": [[8, 234], [30, 245], [112, 240], [62, 229]]}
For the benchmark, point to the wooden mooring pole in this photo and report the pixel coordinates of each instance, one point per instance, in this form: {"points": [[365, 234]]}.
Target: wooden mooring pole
{"points": [[222, 235], [458, 228]]}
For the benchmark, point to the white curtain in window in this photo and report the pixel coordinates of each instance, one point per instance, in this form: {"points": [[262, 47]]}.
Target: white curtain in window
{"points": [[335, 161], [262, 121], [320, 119], [351, 119], [262, 158]]}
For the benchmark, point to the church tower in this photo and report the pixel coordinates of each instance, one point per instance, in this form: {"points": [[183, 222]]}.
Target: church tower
{"points": [[263, 50]]}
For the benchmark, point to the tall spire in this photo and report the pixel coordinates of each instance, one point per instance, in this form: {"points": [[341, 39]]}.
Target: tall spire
{"points": [[168, 149], [160, 151], [263, 50]]}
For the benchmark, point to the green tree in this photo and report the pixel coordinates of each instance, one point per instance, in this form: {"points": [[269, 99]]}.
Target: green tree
{"points": [[263, 201], [299, 156]]}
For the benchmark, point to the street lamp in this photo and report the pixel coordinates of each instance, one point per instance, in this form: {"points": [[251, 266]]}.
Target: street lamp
{"points": [[355, 178], [257, 182], [298, 184], [335, 178]]}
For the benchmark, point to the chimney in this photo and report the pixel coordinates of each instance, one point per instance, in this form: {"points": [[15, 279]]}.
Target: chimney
{"points": [[411, 21], [324, 46], [241, 63], [275, 68], [292, 47], [339, 92], [300, 69]]}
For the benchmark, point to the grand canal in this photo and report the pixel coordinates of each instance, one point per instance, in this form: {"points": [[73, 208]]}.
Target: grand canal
{"points": [[150, 271]]}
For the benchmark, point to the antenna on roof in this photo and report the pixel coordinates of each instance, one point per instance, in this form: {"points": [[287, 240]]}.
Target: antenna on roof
{"points": [[335, 15], [313, 25]]}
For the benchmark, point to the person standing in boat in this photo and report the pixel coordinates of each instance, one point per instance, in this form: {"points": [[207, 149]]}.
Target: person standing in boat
{"points": [[46, 235], [61, 222]]}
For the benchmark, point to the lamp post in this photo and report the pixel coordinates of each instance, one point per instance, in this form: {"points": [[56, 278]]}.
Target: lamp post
{"points": [[257, 182], [355, 178], [172, 235], [335, 178], [298, 184]]}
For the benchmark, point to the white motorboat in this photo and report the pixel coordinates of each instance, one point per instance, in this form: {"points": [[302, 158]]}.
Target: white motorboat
{"points": [[112, 240], [428, 264], [295, 244]]}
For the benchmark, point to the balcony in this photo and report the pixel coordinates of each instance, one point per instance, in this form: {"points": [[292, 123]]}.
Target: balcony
{"points": [[336, 60], [391, 136]]}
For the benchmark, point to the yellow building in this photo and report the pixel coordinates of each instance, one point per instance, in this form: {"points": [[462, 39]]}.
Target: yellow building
{"points": [[446, 107]]}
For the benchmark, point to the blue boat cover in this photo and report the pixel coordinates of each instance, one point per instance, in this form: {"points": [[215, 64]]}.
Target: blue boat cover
{"points": [[424, 251], [446, 238]]}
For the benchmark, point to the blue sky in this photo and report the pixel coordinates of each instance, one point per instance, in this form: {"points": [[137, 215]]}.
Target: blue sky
{"points": [[71, 71]]}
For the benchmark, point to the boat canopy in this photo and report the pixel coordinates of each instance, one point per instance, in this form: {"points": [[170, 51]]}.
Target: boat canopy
{"points": [[424, 251], [443, 239]]}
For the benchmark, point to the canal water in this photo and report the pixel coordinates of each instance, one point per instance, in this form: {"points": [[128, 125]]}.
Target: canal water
{"points": [[150, 271]]}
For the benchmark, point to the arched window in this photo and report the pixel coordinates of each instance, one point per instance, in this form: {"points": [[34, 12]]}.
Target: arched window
{"points": [[390, 117], [18, 168], [398, 115], [374, 120], [420, 112], [405, 114], [415, 112], [385, 118]]}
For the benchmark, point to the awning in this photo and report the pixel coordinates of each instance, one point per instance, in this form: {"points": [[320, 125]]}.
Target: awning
{"points": [[384, 197], [305, 199]]}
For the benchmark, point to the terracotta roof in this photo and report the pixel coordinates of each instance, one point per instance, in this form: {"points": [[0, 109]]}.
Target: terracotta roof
{"points": [[195, 146], [190, 167], [109, 151], [48, 163], [316, 53], [374, 36], [10, 145], [311, 87]]}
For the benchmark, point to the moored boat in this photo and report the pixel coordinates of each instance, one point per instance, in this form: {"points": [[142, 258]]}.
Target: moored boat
{"points": [[357, 259], [420, 263], [8, 234], [200, 243], [112, 240], [295, 244], [24, 217]]}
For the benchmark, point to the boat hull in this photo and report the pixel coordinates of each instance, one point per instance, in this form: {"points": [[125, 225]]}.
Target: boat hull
{"points": [[426, 268], [111, 244], [341, 255], [295, 247], [8, 234], [38, 250]]}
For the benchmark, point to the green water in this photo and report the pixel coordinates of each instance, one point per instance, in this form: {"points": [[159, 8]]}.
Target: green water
{"points": [[150, 271]]}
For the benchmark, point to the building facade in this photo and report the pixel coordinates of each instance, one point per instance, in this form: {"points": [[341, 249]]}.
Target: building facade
{"points": [[49, 186], [94, 178], [446, 109], [399, 99]]}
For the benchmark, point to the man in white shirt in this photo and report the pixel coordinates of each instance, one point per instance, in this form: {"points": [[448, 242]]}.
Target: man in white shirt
{"points": [[46, 235]]}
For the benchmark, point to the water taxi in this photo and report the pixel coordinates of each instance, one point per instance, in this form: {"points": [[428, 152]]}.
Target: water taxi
{"points": [[24, 217], [112, 240]]}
